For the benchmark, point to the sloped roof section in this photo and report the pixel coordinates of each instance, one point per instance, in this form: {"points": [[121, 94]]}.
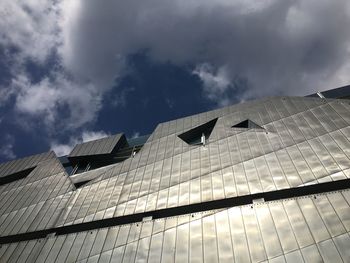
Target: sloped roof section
{"points": [[98, 147], [338, 93]]}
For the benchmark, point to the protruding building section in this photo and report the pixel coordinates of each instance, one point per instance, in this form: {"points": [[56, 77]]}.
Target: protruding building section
{"points": [[338, 93]]}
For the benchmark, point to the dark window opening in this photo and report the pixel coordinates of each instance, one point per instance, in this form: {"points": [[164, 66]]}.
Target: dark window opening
{"points": [[80, 168], [69, 169], [248, 124], [200, 134], [66, 164], [15, 176], [80, 184]]}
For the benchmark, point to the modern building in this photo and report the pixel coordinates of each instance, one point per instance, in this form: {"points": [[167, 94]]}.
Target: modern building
{"points": [[261, 181]]}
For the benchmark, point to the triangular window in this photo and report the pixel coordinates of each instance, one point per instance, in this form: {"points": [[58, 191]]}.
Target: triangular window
{"points": [[248, 124], [16, 176], [198, 135], [80, 184]]}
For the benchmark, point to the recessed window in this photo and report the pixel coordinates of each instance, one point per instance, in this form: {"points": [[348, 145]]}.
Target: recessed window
{"points": [[247, 124], [81, 164], [15, 176], [200, 134]]}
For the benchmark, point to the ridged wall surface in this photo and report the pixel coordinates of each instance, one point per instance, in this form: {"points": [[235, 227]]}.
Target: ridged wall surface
{"points": [[304, 141]]}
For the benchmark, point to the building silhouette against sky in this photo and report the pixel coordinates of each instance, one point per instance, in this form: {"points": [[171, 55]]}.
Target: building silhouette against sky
{"points": [[261, 181]]}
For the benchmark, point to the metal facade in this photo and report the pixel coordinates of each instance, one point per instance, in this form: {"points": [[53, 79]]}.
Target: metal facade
{"points": [[277, 192], [96, 147]]}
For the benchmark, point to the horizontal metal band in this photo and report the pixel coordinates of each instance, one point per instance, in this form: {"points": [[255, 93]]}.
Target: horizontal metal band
{"points": [[183, 210]]}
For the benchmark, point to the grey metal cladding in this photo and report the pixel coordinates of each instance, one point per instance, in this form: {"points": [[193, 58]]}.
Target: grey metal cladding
{"points": [[24, 163], [96, 147], [305, 142], [22, 201], [75, 149], [296, 230]]}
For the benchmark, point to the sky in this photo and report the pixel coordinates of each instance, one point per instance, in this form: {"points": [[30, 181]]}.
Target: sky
{"points": [[77, 70]]}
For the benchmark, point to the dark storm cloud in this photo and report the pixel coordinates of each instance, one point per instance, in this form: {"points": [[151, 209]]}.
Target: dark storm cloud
{"points": [[279, 47]]}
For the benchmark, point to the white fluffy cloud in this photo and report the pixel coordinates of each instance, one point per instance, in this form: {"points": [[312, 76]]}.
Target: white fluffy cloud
{"points": [[64, 149], [6, 147], [277, 47], [46, 98], [30, 26], [216, 82], [93, 135], [31, 30], [135, 135]]}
